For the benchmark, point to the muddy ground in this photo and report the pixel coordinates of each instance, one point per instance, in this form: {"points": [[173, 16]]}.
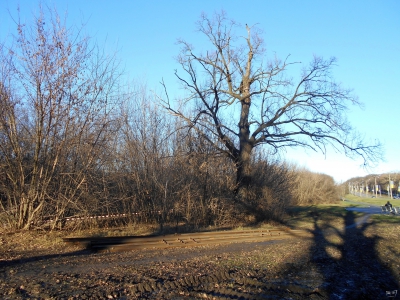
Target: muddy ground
{"points": [[344, 259]]}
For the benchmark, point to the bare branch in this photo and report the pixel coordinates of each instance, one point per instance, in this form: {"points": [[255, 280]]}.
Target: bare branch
{"points": [[235, 81]]}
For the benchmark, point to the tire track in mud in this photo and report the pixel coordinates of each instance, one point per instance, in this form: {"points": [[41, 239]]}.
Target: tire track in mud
{"points": [[225, 285]]}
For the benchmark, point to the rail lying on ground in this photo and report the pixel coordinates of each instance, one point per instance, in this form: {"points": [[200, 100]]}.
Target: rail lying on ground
{"points": [[126, 243]]}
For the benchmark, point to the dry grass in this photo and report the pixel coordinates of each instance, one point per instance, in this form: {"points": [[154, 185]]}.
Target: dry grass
{"points": [[26, 243], [388, 245]]}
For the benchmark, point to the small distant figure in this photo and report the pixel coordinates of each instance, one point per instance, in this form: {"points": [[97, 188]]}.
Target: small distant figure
{"points": [[389, 206]]}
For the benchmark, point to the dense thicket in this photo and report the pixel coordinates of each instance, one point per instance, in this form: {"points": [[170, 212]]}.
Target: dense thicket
{"points": [[75, 144]]}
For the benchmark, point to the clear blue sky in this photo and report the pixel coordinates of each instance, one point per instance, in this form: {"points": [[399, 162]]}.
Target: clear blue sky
{"points": [[363, 35]]}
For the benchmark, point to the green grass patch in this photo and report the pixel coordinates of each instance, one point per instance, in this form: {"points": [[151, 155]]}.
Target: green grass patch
{"points": [[322, 210], [386, 219], [305, 216], [373, 201], [308, 216]]}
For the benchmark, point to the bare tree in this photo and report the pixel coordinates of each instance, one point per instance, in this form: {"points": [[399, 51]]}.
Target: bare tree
{"points": [[238, 100]]}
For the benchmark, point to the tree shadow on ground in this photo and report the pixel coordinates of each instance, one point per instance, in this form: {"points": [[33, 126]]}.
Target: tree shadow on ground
{"points": [[349, 262], [88, 244], [45, 257]]}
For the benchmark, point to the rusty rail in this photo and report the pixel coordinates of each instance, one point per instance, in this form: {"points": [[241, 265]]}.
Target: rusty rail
{"points": [[126, 243]]}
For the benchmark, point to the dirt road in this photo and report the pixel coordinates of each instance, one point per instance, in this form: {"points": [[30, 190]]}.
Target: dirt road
{"points": [[357, 261]]}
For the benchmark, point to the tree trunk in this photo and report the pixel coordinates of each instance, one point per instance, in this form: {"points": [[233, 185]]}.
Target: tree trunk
{"points": [[243, 167]]}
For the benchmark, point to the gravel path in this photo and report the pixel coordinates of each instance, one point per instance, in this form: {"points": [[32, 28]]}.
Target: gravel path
{"points": [[368, 209]]}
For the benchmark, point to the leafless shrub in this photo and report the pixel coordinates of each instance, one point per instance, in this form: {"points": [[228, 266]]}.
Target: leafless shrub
{"points": [[270, 194], [57, 97], [313, 188]]}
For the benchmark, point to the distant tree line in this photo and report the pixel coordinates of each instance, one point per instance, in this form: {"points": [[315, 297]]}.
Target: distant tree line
{"points": [[76, 142], [385, 183]]}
